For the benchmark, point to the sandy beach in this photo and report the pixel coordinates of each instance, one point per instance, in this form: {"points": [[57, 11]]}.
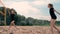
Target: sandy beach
{"points": [[27, 30]]}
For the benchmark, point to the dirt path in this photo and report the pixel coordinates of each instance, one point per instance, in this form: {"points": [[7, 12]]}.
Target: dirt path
{"points": [[27, 30]]}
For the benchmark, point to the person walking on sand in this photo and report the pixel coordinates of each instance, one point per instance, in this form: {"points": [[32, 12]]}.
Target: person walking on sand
{"points": [[13, 23], [53, 18]]}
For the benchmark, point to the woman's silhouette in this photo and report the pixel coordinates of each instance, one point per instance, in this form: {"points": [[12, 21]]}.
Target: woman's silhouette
{"points": [[12, 14], [53, 17]]}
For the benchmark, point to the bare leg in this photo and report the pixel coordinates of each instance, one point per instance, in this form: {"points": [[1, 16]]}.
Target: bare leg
{"points": [[14, 25], [55, 26], [51, 25], [11, 25]]}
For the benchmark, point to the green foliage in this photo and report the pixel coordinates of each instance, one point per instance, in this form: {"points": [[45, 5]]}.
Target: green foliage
{"points": [[57, 23], [1, 17], [23, 21]]}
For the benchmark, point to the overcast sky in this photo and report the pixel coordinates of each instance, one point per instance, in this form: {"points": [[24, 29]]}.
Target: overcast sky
{"points": [[33, 8]]}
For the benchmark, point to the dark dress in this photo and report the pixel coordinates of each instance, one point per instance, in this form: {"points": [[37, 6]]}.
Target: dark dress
{"points": [[12, 17], [52, 14]]}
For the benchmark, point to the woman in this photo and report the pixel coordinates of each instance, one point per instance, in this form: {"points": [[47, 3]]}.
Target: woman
{"points": [[12, 14], [53, 17]]}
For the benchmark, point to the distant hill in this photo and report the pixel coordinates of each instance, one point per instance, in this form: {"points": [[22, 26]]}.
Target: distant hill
{"points": [[21, 20]]}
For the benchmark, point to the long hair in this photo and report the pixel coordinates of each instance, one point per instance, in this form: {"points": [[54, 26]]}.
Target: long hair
{"points": [[13, 10], [51, 5]]}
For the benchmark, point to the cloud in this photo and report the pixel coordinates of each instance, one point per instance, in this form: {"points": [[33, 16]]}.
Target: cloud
{"points": [[42, 17], [26, 8], [40, 2], [45, 2], [20, 0]]}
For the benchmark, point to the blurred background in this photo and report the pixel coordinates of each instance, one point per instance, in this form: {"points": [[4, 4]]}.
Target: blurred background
{"points": [[29, 12]]}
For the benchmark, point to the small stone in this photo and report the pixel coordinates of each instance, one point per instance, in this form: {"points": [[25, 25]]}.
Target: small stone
{"points": [[11, 33]]}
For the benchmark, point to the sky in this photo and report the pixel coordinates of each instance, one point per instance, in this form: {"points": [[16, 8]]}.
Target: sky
{"points": [[33, 8]]}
